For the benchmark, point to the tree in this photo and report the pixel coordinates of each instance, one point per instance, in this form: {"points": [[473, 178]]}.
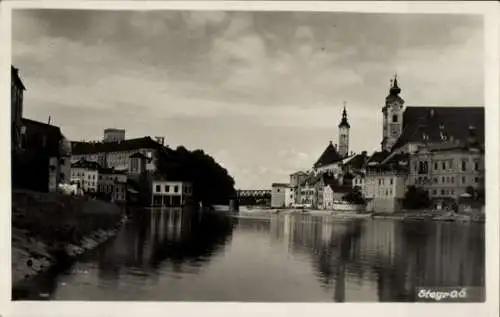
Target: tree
{"points": [[211, 182], [416, 198], [355, 197]]}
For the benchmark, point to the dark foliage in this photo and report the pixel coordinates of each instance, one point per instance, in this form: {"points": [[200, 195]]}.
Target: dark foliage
{"points": [[30, 170], [211, 182], [416, 198], [354, 197]]}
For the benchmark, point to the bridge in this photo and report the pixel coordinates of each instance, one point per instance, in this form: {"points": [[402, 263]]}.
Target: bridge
{"points": [[254, 197]]}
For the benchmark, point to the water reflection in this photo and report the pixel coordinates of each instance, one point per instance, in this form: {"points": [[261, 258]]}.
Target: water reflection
{"points": [[396, 256], [175, 254]]}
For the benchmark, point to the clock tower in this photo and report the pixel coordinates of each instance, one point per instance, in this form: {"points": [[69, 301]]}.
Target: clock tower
{"points": [[344, 127], [393, 116]]}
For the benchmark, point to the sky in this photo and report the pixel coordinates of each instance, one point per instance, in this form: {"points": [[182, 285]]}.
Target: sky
{"points": [[261, 92]]}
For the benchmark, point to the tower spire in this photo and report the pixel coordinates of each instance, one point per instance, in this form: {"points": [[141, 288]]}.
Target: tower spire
{"points": [[395, 90], [344, 122]]}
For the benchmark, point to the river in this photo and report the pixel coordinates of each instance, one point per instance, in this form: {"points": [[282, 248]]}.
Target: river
{"points": [[176, 255]]}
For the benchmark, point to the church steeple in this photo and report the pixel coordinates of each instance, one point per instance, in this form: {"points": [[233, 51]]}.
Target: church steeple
{"points": [[344, 127], [343, 121], [395, 90]]}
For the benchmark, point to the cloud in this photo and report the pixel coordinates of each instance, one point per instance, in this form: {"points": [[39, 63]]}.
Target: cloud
{"points": [[261, 91]]}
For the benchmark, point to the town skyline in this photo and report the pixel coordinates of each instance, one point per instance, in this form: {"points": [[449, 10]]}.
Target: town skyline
{"points": [[261, 92]]}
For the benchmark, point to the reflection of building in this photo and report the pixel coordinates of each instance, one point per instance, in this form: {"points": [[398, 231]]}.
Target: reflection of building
{"points": [[113, 135], [170, 193]]}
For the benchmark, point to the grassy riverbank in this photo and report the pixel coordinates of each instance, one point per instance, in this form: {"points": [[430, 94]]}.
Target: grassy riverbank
{"points": [[49, 227]]}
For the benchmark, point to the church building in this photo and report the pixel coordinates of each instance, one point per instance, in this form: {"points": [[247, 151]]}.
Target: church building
{"points": [[332, 157]]}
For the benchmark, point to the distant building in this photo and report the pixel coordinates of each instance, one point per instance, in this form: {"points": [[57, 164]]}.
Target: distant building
{"points": [[17, 89], [392, 117], [281, 195], [42, 159], [296, 180], [113, 184], [333, 193], [449, 168], [385, 184], [117, 155], [114, 135], [170, 193], [344, 128], [86, 175], [405, 129]]}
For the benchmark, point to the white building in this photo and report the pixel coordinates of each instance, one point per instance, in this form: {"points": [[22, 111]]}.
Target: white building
{"points": [[384, 190], [170, 193], [333, 194], [86, 175], [281, 195]]}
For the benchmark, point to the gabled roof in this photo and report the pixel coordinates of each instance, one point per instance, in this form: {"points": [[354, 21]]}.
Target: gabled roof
{"points": [[280, 185], [377, 157], [87, 165], [357, 161], [435, 122], [329, 156], [126, 145]]}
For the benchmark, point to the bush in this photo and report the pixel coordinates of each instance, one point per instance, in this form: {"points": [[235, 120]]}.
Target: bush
{"points": [[416, 198]]}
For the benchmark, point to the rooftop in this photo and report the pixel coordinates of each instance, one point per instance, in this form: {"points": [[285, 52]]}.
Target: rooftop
{"points": [[329, 156], [435, 124], [126, 145]]}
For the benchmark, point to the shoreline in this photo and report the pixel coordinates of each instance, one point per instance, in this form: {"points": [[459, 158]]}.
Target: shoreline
{"points": [[347, 215], [81, 225]]}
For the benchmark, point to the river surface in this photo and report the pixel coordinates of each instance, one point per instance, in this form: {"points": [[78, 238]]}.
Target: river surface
{"points": [[176, 255]]}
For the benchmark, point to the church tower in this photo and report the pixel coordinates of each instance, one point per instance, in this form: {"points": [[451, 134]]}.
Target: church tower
{"points": [[393, 116], [344, 127]]}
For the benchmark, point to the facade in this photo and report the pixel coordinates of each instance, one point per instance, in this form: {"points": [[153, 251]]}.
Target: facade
{"points": [[117, 154], [17, 89], [332, 195], [447, 170], [170, 193], [281, 195], [41, 161], [344, 128], [385, 184], [392, 117], [296, 180], [86, 175], [113, 184], [308, 195], [114, 135]]}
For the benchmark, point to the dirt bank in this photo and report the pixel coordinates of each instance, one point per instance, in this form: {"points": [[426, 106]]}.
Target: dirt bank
{"points": [[48, 228]]}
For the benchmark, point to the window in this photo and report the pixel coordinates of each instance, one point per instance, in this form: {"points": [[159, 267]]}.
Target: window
{"points": [[442, 192], [463, 180], [476, 179], [452, 179], [100, 177], [436, 166], [167, 188], [434, 192], [476, 165], [450, 164], [442, 180], [277, 189], [444, 165], [464, 165], [391, 181], [176, 189], [158, 189], [395, 118], [435, 180]]}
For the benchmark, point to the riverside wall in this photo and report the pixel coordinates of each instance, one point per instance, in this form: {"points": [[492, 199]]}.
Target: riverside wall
{"points": [[50, 228]]}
